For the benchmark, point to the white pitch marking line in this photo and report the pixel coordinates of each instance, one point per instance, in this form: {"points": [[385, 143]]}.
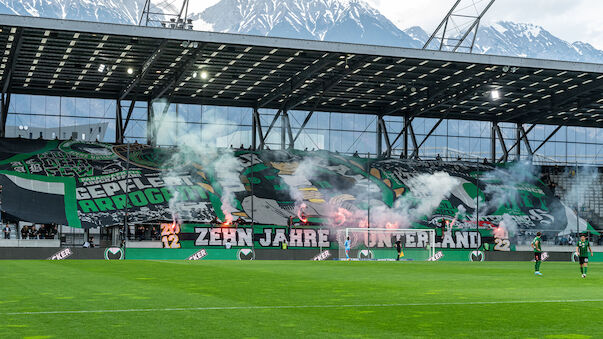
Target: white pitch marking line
{"points": [[303, 306]]}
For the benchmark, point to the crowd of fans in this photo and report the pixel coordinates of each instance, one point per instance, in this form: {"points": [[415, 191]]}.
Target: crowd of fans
{"points": [[41, 232]]}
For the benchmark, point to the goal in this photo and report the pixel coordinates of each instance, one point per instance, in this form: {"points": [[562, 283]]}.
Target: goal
{"points": [[380, 243]]}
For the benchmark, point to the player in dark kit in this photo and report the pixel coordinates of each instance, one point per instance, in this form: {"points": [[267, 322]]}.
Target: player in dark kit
{"points": [[536, 245], [582, 251]]}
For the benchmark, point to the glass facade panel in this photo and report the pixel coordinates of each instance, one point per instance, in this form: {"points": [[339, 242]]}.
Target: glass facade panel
{"points": [[89, 119]]}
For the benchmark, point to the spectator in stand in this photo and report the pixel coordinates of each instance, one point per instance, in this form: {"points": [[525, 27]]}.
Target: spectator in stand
{"points": [[54, 231], [33, 233], [42, 232], [155, 234], [6, 232], [24, 232], [140, 233], [438, 157], [91, 242]]}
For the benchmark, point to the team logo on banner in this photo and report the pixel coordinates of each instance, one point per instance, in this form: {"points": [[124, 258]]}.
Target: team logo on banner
{"points": [[62, 254], [476, 256], [114, 253], [245, 254], [365, 255]]}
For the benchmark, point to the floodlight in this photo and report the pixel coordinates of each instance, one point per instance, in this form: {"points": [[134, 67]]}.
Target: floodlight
{"points": [[495, 95]]}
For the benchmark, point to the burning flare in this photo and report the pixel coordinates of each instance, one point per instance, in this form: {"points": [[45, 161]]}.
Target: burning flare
{"points": [[301, 213]]}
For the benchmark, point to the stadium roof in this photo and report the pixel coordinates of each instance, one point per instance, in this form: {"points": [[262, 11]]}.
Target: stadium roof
{"points": [[63, 57]]}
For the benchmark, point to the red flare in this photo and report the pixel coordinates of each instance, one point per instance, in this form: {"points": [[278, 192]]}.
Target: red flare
{"points": [[301, 215], [227, 220]]}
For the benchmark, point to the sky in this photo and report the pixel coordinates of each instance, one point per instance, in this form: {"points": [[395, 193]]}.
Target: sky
{"points": [[571, 20]]}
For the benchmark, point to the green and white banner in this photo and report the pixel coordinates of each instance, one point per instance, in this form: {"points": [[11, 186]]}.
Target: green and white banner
{"points": [[84, 184]]}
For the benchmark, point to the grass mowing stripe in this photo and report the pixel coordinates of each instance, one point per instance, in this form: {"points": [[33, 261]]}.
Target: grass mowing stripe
{"points": [[305, 306]]}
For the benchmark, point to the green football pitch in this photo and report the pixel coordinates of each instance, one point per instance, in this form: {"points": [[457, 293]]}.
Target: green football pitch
{"points": [[266, 299]]}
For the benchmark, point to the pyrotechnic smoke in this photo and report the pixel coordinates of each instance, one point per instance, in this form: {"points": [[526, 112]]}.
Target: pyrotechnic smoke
{"points": [[506, 228], [460, 210], [502, 185], [426, 191], [195, 146], [583, 180]]}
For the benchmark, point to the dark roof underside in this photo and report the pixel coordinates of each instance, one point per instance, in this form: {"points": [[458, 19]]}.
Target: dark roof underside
{"points": [[61, 57]]}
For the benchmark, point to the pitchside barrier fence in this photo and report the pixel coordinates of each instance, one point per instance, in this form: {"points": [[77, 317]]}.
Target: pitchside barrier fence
{"points": [[266, 242], [117, 253]]}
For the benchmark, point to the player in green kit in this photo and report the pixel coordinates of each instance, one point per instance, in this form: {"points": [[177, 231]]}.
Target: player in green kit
{"points": [[536, 245], [582, 251]]}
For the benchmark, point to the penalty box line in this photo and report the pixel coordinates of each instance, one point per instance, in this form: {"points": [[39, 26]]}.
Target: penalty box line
{"points": [[276, 307]]}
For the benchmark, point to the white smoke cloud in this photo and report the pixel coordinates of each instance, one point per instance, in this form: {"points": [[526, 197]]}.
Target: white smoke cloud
{"points": [[581, 181], [502, 185], [506, 228], [195, 146]]}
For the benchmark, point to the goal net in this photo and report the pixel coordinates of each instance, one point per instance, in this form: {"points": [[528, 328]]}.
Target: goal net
{"points": [[380, 243]]}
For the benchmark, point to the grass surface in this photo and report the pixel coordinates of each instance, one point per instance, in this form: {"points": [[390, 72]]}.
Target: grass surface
{"points": [[457, 289]]}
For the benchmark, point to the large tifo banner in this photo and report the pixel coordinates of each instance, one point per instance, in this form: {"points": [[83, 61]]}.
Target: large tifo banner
{"points": [[84, 184]]}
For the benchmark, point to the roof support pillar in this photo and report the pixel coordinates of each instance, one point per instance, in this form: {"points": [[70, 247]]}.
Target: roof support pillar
{"points": [[119, 135], [413, 138], [379, 136], [303, 125], [4, 113], [525, 139], [129, 115], [415, 153], [151, 140], [407, 122], [255, 125], [285, 129], [384, 135], [404, 132], [264, 137], [493, 143], [501, 140], [548, 138], [518, 142]]}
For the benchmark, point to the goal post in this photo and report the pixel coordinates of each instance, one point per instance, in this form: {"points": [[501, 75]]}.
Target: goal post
{"points": [[380, 243]]}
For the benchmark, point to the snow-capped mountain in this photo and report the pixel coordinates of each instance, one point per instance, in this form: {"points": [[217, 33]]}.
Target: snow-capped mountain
{"points": [[113, 11], [524, 40], [333, 20]]}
